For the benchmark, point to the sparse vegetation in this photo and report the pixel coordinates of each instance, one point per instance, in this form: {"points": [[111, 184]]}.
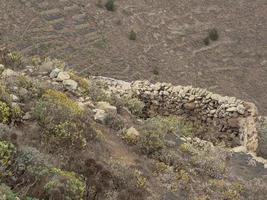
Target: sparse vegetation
{"points": [[132, 35], [110, 5], [206, 41], [134, 105], [60, 150], [5, 112], [213, 34], [73, 186], [63, 120]]}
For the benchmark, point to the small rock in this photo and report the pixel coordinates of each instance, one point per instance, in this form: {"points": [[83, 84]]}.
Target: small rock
{"points": [[100, 116], [46, 68], [231, 109], [107, 107], [55, 73], [63, 76], [23, 92], [27, 116], [2, 68], [189, 106], [241, 109], [70, 84], [14, 98], [8, 73]]}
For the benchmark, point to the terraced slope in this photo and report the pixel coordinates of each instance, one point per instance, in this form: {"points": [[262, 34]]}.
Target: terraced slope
{"points": [[169, 40]]}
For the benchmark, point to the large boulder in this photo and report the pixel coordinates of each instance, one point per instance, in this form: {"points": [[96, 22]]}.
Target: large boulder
{"points": [[262, 138]]}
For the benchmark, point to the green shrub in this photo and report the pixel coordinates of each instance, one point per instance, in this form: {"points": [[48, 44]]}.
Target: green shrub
{"points": [[6, 193], [132, 35], [206, 41], [83, 83], [7, 152], [15, 58], [151, 141], [63, 121], [155, 71], [213, 34], [134, 105], [96, 91], [110, 5], [17, 113], [70, 185], [68, 132], [5, 112], [31, 161], [4, 95]]}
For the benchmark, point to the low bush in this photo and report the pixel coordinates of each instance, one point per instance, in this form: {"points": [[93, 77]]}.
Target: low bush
{"points": [[206, 41], [10, 59], [110, 5], [66, 185], [63, 121], [213, 34], [5, 112], [132, 35], [134, 105], [83, 83], [96, 91], [6, 193], [7, 153]]}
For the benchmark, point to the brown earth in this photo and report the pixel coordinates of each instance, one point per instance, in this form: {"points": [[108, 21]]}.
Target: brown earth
{"points": [[169, 40]]}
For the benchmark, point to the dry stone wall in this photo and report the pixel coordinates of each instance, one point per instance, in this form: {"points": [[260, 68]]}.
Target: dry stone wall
{"points": [[231, 116], [228, 114]]}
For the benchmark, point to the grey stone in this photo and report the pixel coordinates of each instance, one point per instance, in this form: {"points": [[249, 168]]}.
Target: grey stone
{"points": [[107, 107], [14, 98], [70, 84], [27, 116], [231, 109], [8, 72], [63, 76], [46, 67], [55, 73], [241, 109], [100, 116]]}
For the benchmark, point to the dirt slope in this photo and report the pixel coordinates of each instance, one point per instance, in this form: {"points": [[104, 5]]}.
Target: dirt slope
{"points": [[169, 40]]}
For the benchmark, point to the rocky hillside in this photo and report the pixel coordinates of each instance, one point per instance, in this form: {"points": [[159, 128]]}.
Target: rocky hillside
{"points": [[213, 44], [65, 136]]}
